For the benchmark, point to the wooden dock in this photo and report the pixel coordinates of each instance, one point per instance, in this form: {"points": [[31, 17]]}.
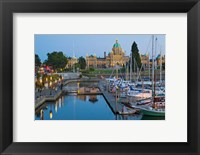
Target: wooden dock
{"points": [[115, 106]]}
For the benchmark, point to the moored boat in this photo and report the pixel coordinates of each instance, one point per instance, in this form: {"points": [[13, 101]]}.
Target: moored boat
{"points": [[153, 112], [128, 111], [150, 111]]}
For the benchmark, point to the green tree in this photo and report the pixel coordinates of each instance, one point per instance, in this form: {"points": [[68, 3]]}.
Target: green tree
{"points": [[82, 62], [77, 65], [56, 60], [37, 60], [135, 55]]}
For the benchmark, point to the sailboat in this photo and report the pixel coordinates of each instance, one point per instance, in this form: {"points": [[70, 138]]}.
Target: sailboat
{"points": [[150, 111], [153, 108], [128, 111]]}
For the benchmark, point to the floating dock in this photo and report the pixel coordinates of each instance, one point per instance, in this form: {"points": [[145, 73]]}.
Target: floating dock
{"points": [[115, 106]]}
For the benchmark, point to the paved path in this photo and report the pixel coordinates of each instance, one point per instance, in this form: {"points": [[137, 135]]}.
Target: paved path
{"points": [[80, 80], [46, 92], [44, 95]]}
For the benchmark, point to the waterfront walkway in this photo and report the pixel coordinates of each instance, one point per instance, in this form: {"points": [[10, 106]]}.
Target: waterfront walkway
{"points": [[42, 96], [81, 80]]}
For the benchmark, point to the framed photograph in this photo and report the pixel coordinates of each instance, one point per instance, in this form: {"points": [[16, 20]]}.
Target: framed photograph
{"points": [[99, 77]]}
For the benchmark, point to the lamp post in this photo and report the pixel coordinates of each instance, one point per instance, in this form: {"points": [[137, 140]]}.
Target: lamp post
{"points": [[40, 80], [46, 82], [50, 85]]}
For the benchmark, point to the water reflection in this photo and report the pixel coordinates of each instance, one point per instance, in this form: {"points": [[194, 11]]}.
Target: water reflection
{"points": [[82, 97], [50, 114], [41, 114], [93, 98], [56, 106], [81, 107]]}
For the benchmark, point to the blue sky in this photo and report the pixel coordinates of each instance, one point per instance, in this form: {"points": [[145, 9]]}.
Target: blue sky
{"points": [[82, 44]]}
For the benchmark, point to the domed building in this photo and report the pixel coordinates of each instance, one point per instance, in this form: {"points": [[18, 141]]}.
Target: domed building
{"points": [[117, 50], [115, 57]]}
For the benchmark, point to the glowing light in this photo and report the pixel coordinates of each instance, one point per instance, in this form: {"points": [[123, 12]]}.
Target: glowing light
{"points": [[40, 80], [51, 115]]}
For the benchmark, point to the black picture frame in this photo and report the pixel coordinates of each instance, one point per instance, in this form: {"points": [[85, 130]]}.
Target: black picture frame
{"points": [[8, 7]]}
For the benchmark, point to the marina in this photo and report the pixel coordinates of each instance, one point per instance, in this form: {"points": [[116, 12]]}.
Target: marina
{"points": [[116, 86], [93, 94]]}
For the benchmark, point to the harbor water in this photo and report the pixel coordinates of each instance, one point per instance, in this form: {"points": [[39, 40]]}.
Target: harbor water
{"points": [[83, 107]]}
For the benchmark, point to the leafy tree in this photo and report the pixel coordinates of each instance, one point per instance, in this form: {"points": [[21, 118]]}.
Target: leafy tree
{"points": [[37, 60], [135, 55], [82, 62], [56, 60], [77, 65]]}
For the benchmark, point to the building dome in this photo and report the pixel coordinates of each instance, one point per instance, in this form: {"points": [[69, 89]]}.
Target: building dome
{"points": [[158, 57], [116, 45], [117, 50]]}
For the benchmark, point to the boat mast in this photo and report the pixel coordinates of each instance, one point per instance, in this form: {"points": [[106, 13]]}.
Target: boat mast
{"points": [[149, 65], [131, 67], [160, 66], [152, 68], [73, 58], [155, 68], [127, 71]]}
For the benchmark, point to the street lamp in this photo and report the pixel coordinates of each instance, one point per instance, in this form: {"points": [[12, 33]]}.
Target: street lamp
{"points": [[50, 83], [40, 79]]}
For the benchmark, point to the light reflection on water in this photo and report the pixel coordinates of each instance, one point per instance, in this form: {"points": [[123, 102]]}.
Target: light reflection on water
{"points": [[81, 107]]}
